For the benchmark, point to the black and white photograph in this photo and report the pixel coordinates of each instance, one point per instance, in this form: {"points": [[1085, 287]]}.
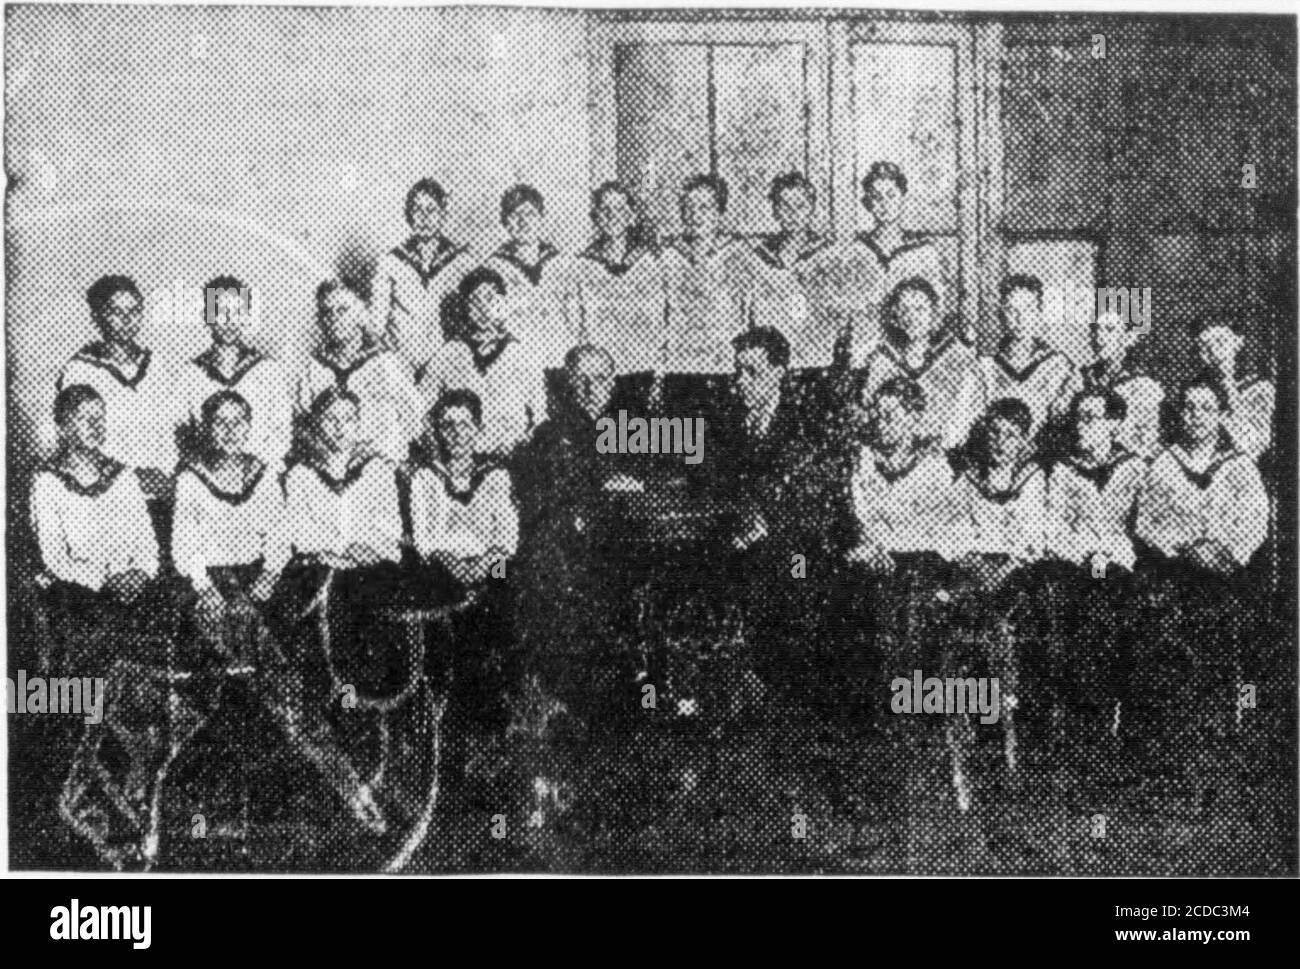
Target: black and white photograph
{"points": [[491, 440]]}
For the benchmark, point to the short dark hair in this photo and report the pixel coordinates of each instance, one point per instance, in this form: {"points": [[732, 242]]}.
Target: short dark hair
{"points": [[517, 195], [106, 287], [331, 286], [909, 393], [1116, 405], [611, 188], [457, 397], [887, 171], [715, 184], [1024, 281], [1012, 410], [69, 400], [208, 412], [482, 276], [1209, 383], [227, 284], [327, 398], [576, 353], [771, 340], [789, 181], [425, 186]]}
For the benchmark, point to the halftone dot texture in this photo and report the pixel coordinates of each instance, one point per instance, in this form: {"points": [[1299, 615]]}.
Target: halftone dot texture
{"points": [[277, 145]]}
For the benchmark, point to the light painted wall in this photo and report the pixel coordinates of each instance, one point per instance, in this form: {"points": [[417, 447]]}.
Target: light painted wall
{"points": [[275, 144]]}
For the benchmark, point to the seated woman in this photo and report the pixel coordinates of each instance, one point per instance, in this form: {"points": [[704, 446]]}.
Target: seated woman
{"points": [[1091, 494], [915, 346], [465, 527], [108, 619], [231, 545], [345, 530], [901, 492], [999, 534], [228, 536], [1202, 514], [97, 545]]}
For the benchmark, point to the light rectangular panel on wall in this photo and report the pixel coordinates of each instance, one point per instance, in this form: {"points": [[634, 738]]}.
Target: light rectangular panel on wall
{"points": [[662, 96], [905, 111], [760, 130]]}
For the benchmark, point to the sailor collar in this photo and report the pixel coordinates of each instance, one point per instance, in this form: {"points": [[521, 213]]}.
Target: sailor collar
{"points": [[1100, 474], [508, 251], [1202, 479], [909, 245], [1042, 352], [356, 469], [631, 257], [939, 344], [96, 354], [483, 467], [254, 471], [342, 374], [1026, 471], [722, 242], [444, 253], [483, 361], [109, 470], [246, 361], [769, 249], [895, 475]]}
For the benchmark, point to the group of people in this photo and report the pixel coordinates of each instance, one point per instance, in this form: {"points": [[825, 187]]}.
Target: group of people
{"points": [[442, 438]]}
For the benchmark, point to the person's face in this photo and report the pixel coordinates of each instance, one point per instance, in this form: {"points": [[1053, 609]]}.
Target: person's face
{"points": [[227, 316], [793, 211], [1096, 431], [487, 312], [426, 216], [915, 316], [341, 316], [338, 427], [613, 215], [1110, 337], [757, 379], [524, 223], [119, 318], [87, 428], [894, 424], [1006, 441], [457, 431], [592, 383], [1217, 345], [1201, 415], [1021, 315], [884, 200], [230, 429], [700, 214]]}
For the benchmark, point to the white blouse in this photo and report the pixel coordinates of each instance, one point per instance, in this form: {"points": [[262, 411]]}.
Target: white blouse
{"points": [[88, 534], [407, 297], [391, 408], [907, 511], [1089, 509], [1012, 522], [212, 527], [620, 308], [259, 380], [327, 516], [142, 407], [465, 523], [1226, 502], [537, 295], [709, 302]]}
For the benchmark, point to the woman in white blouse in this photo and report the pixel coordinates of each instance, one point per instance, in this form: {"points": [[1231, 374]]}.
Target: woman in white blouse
{"points": [[465, 526], [99, 555]]}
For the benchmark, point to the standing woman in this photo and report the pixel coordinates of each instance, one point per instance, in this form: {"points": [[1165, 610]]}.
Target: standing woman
{"points": [[790, 274], [876, 260], [414, 281], [349, 359], [616, 298], [535, 273]]}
